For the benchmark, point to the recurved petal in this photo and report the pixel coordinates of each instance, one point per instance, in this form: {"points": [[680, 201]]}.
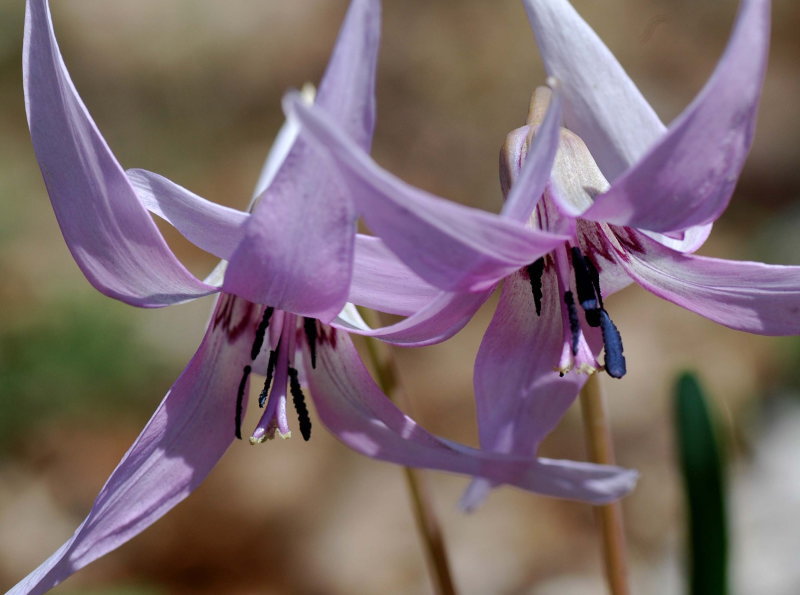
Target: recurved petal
{"points": [[383, 283], [441, 318], [111, 236], [354, 409], [297, 250], [746, 296], [535, 172], [601, 103], [688, 176], [519, 395], [184, 439], [453, 247], [215, 228]]}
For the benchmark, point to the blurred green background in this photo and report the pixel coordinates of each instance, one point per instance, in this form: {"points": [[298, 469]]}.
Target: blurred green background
{"points": [[191, 89]]}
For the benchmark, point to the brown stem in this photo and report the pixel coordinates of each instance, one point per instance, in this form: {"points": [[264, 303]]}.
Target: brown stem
{"points": [[597, 430], [424, 516]]}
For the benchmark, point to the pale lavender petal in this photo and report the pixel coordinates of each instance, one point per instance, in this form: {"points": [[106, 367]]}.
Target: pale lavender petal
{"points": [[601, 103], [687, 241], [111, 236], [519, 395], [181, 443], [746, 296], [297, 253], [284, 141], [215, 228], [535, 172], [354, 409], [688, 176], [453, 247], [443, 317], [383, 283]]}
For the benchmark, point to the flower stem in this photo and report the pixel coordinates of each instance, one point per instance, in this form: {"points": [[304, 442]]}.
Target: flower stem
{"points": [[599, 445], [430, 531]]}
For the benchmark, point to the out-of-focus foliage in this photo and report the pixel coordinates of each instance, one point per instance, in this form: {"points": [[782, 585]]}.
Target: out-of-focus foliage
{"points": [[72, 364], [702, 464]]}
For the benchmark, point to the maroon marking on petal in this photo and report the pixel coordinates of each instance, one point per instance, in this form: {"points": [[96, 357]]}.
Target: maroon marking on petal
{"points": [[627, 238], [326, 335], [235, 316]]}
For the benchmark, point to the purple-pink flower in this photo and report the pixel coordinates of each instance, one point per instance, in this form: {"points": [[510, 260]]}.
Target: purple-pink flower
{"points": [[632, 199], [288, 268]]}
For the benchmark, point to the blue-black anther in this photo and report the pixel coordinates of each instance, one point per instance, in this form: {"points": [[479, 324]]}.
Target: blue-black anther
{"points": [[583, 281], [574, 323], [310, 329], [594, 275], [261, 331], [535, 272], [273, 359], [615, 360], [299, 400], [588, 290], [240, 401]]}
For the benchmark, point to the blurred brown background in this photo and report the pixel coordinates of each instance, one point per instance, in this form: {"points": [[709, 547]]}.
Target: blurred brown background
{"points": [[191, 89]]}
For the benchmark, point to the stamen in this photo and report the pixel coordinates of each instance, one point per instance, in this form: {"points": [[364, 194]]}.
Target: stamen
{"points": [[240, 400], [260, 332], [588, 290], [535, 272], [594, 275], [615, 361], [299, 400], [273, 358], [310, 328], [574, 323]]}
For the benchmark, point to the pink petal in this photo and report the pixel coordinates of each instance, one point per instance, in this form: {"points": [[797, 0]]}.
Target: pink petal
{"points": [[440, 319], [688, 176], [297, 253], [215, 228], [111, 236], [383, 283], [181, 443], [519, 395], [453, 247], [601, 103], [354, 409], [527, 189], [747, 296]]}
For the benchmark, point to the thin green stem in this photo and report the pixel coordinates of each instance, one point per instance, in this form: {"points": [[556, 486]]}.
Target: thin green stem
{"points": [[600, 447], [430, 531]]}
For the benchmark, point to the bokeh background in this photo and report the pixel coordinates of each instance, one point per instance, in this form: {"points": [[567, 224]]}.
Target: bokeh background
{"points": [[191, 89]]}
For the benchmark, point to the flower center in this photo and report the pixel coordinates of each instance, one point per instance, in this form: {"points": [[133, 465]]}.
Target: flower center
{"points": [[277, 330], [574, 182]]}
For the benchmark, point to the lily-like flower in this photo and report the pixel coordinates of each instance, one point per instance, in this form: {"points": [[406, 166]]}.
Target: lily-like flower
{"points": [[635, 200], [273, 303]]}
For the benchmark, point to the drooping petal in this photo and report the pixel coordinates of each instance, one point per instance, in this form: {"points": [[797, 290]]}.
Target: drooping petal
{"points": [[687, 241], [453, 247], [688, 176], [111, 236], [382, 282], [601, 103], [297, 253], [184, 439], [279, 151], [354, 409], [215, 228], [443, 317], [519, 395], [535, 171], [746, 296]]}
